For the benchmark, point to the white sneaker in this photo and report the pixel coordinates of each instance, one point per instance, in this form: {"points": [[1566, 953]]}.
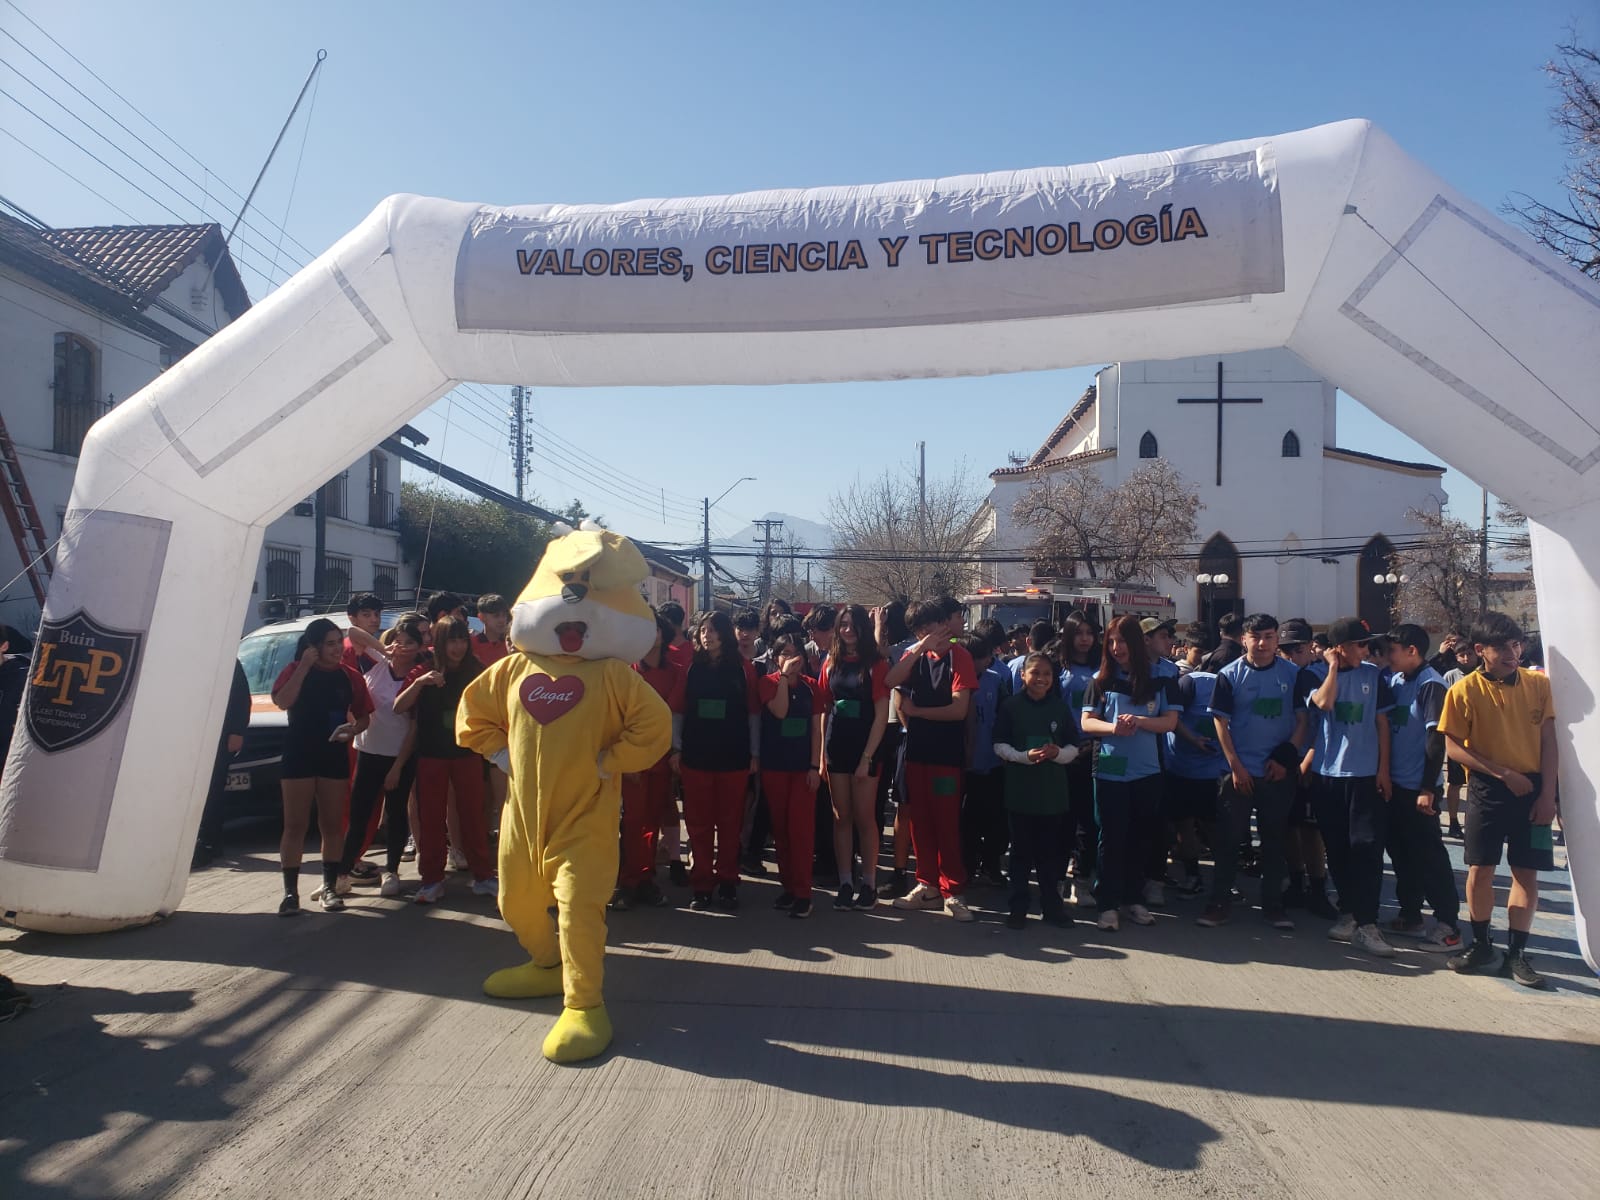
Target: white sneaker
{"points": [[1155, 894], [954, 906], [486, 887], [430, 893], [391, 886], [1140, 915], [458, 860], [1370, 939], [342, 885], [1108, 921], [331, 901], [921, 896], [409, 854], [1344, 929]]}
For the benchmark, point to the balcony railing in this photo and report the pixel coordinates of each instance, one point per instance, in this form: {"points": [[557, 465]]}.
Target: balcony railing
{"points": [[380, 510]]}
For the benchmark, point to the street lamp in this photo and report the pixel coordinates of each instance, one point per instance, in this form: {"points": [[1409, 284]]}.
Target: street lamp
{"points": [[705, 543], [1391, 578], [1210, 583]]}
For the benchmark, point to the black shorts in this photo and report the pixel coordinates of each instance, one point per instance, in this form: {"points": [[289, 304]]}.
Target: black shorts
{"points": [[1496, 819], [1190, 799], [327, 760], [1454, 773]]}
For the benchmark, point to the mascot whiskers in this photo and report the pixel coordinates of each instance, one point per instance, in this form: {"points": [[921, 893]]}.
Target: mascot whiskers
{"points": [[565, 718]]}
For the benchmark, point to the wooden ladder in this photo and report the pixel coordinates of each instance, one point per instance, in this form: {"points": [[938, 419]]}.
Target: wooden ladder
{"points": [[23, 517]]}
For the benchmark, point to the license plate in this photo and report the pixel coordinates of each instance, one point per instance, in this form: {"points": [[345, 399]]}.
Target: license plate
{"points": [[238, 781]]}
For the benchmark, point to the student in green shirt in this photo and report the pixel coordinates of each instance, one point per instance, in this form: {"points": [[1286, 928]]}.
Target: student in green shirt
{"points": [[1036, 735]]}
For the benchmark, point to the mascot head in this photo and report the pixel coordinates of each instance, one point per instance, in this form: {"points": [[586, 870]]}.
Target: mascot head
{"points": [[583, 599]]}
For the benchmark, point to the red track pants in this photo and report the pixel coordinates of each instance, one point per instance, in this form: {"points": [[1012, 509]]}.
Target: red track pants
{"points": [[646, 801], [713, 809], [794, 828], [435, 778], [934, 794]]}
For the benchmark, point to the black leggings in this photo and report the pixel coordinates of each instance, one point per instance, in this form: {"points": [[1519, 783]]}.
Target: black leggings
{"points": [[365, 792]]}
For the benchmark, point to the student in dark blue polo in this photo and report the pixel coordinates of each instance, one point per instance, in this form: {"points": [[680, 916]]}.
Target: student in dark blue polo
{"points": [[1195, 767], [1347, 702], [1422, 869], [1127, 709], [1254, 704]]}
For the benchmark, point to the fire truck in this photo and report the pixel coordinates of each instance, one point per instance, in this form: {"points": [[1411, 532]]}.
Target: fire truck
{"points": [[1052, 600]]}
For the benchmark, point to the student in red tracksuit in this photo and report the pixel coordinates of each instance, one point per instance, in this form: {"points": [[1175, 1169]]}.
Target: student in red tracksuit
{"points": [[434, 691], [647, 795], [936, 680], [721, 730], [791, 757]]}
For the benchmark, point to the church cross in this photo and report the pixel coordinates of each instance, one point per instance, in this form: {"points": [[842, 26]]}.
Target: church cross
{"points": [[1219, 401]]}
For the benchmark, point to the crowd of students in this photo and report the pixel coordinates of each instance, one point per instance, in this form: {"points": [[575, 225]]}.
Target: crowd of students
{"points": [[1075, 767]]}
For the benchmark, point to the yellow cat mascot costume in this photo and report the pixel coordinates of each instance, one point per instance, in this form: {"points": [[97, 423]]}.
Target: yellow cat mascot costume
{"points": [[565, 719]]}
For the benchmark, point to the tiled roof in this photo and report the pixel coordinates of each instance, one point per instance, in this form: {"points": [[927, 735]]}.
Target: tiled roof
{"points": [[145, 259], [1031, 467], [1076, 414]]}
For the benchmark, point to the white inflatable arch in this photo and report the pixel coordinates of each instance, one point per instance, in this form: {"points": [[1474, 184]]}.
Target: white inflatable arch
{"points": [[1331, 241]]}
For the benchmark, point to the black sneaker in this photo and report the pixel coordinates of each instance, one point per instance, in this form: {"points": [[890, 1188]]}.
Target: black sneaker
{"points": [[1017, 920], [785, 900], [754, 865], [621, 901], [1059, 917], [204, 855], [867, 897], [1479, 958], [1214, 915], [678, 873], [290, 906], [899, 884], [1318, 905], [701, 902], [649, 895], [728, 896], [1518, 967], [1455, 831], [846, 899], [801, 909]]}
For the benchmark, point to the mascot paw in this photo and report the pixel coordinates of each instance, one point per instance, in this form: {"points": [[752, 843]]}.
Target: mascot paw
{"points": [[580, 1033], [527, 982]]}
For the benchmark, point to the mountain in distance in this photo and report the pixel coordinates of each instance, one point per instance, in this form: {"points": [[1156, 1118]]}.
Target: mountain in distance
{"points": [[812, 535]]}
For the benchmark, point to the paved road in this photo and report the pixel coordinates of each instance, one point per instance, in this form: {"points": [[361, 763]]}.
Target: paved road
{"points": [[228, 1052]]}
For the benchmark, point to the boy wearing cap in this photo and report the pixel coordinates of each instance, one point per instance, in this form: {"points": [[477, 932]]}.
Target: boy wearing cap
{"points": [[1303, 850], [1259, 726], [1422, 869], [1499, 723], [1348, 701]]}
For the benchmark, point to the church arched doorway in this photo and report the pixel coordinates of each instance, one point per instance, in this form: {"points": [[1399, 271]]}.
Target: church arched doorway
{"points": [[1217, 583], [1375, 596]]}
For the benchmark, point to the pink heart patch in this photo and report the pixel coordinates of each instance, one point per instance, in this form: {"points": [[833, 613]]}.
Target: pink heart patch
{"points": [[547, 699]]}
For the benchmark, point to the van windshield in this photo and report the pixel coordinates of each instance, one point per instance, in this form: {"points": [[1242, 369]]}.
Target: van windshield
{"points": [[264, 655]]}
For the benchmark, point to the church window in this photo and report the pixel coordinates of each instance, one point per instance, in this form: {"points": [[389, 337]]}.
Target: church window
{"points": [[1147, 446], [1291, 444]]}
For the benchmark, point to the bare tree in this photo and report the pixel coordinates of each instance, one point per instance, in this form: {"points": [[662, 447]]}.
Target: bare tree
{"points": [[1572, 229], [1443, 578], [1138, 530], [889, 545], [1516, 545]]}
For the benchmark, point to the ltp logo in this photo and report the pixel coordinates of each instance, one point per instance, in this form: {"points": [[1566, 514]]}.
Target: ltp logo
{"points": [[82, 673]]}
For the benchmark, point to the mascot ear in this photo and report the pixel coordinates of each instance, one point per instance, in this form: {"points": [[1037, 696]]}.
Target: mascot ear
{"points": [[560, 528], [589, 525]]}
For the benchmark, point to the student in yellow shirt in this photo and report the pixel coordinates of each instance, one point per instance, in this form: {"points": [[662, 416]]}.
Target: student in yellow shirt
{"points": [[1499, 723]]}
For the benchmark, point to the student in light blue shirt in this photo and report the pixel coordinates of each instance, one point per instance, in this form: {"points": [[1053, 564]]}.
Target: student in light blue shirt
{"points": [[1127, 709], [1347, 702]]}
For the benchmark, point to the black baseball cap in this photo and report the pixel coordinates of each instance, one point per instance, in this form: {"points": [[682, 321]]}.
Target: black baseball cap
{"points": [[1295, 632], [1150, 624], [1414, 636], [1348, 629]]}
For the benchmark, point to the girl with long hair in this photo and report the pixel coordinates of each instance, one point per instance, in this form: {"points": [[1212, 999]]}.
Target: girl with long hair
{"points": [[385, 765], [855, 703], [434, 691], [328, 705], [720, 752], [1127, 708]]}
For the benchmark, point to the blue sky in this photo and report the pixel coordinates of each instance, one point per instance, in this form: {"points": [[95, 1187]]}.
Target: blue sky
{"points": [[602, 101]]}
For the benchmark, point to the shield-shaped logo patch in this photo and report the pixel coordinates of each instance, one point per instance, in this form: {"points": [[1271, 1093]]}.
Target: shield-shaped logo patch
{"points": [[81, 675]]}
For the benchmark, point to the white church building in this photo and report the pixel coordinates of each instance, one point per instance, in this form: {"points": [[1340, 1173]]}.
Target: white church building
{"points": [[1298, 524]]}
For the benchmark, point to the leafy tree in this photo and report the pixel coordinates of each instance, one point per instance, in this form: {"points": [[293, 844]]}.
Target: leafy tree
{"points": [[575, 513], [1140, 529], [468, 545], [1572, 229]]}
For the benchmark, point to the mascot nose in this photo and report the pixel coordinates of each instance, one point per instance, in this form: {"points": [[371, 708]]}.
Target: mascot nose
{"points": [[573, 593]]}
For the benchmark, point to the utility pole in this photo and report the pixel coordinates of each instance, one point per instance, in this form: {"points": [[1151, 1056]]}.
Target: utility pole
{"points": [[705, 557], [794, 582], [520, 396], [1483, 558], [808, 580], [767, 529]]}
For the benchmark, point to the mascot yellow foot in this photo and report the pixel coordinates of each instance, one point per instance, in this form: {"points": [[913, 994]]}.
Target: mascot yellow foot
{"points": [[580, 1033], [527, 982]]}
